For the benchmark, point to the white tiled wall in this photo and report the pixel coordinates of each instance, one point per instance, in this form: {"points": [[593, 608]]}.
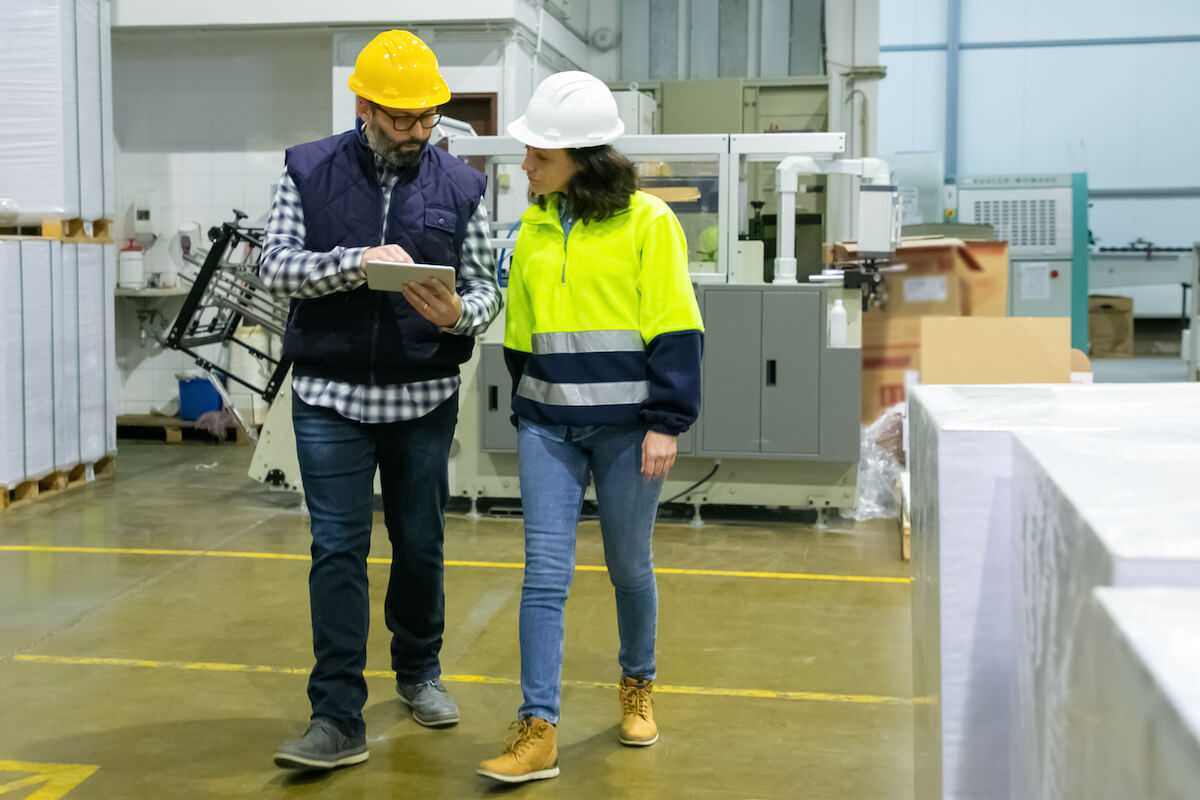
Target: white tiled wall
{"points": [[192, 187]]}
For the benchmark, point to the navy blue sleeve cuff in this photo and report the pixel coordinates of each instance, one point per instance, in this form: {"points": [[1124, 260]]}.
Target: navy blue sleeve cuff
{"points": [[673, 367], [515, 360]]}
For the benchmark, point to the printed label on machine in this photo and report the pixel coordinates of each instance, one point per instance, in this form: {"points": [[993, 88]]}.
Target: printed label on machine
{"points": [[931, 289]]}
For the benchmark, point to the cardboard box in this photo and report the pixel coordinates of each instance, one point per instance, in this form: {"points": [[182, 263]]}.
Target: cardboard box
{"points": [[943, 277], [960, 350], [891, 348], [987, 290], [1110, 326], [990, 350]]}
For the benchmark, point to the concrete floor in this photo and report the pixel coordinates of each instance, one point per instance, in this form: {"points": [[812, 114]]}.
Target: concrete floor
{"points": [[175, 673]]}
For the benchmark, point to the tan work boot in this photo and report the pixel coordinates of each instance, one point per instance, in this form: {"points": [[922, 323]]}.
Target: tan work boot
{"points": [[530, 754], [637, 713]]}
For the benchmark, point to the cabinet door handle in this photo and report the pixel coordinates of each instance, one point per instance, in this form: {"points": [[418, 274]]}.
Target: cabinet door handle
{"points": [[493, 398], [770, 372]]}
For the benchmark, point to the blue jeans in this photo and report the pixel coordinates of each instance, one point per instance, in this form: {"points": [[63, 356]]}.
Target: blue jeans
{"points": [[555, 464], [338, 457]]}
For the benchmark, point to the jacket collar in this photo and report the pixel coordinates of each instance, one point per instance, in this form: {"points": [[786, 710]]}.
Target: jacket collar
{"points": [[535, 215]]}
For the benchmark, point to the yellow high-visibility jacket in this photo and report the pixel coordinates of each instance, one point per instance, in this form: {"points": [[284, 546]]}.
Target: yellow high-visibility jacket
{"points": [[602, 323]]}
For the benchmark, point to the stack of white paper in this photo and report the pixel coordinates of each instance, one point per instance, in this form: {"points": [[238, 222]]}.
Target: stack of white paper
{"points": [[90, 98], [37, 268], [12, 368], [1092, 510], [58, 372], [963, 545], [112, 378], [57, 148], [94, 304], [39, 137], [66, 359], [107, 131], [1138, 716]]}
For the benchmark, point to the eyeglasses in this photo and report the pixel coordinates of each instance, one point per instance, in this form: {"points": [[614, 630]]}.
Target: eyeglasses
{"points": [[404, 122]]}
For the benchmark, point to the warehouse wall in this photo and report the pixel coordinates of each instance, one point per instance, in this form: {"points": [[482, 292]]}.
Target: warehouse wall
{"points": [[1117, 110], [202, 118]]}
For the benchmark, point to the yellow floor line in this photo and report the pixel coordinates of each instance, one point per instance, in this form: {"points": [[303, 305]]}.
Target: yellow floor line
{"points": [[720, 573], [697, 691]]}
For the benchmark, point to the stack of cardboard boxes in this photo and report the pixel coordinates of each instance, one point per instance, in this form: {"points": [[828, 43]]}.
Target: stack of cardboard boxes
{"points": [[944, 319]]}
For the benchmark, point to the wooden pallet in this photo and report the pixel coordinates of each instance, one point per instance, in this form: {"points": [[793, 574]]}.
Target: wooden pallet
{"points": [[56, 483], [175, 429], [71, 231], [903, 489]]}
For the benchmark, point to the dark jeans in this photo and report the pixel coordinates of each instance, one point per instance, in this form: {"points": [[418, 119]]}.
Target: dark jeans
{"points": [[338, 457]]}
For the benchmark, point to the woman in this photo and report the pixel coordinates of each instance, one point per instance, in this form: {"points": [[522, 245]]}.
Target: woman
{"points": [[603, 341]]}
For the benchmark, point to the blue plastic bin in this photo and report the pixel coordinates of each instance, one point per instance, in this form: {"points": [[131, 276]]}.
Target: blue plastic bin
{"points": [[197, 396]]}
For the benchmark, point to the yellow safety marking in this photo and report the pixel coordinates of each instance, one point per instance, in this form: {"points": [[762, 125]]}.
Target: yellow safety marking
{"points": [[719, 573], [795, 576], [202, 666], [698, 691], [55, 779]]}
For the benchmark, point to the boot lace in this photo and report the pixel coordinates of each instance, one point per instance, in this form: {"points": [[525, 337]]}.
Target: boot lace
{"points": [[523, 735], [635, 699]]}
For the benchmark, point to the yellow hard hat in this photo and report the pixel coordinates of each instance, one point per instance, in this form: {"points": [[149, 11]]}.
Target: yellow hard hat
{"points": [[397, 70]]}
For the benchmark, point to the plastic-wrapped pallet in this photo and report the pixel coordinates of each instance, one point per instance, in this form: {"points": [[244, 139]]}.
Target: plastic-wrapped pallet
{"points": [[1138, 718], [1093, 510], [39, 137], [66, 359], [12, 365], [963, 540], [94, 313]]}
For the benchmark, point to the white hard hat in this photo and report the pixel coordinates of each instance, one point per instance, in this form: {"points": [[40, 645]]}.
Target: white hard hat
{"points": [[569, 109]]}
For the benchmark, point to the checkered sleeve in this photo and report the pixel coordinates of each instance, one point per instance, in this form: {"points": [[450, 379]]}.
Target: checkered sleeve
{"points": [[287, 268], [477, 267]]}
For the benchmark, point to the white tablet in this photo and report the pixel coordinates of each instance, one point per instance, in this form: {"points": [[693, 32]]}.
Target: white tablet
{"points": [[388, 276]]}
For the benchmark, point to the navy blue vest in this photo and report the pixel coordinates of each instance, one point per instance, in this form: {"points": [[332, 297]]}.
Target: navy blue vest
{"points": [[365, 336]]}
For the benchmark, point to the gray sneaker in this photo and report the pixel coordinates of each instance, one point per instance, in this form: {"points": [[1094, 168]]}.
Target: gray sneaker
{"points": [[322, 746], [432, 706]]}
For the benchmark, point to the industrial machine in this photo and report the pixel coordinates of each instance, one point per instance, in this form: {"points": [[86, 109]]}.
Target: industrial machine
{"points": [[1044, 220], [779, 424]]}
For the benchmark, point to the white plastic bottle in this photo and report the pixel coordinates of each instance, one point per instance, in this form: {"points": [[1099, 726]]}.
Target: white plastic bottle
{"points": [[837, 324]]}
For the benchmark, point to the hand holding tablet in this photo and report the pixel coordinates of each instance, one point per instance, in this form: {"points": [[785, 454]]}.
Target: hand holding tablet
{"points": [[390, 276], [429, 288]]}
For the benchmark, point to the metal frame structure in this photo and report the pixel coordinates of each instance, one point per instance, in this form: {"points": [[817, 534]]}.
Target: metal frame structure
{"points": [[225, 293]]}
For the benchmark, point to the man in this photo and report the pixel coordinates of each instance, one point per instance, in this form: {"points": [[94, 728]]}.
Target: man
{"points": [[376, 378]]}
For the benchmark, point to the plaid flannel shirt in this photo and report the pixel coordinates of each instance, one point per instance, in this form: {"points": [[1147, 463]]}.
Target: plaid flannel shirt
{"points": [[287, 268]]}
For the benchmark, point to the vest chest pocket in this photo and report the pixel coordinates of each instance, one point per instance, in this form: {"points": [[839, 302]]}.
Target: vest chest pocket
{"points": [[440, 226]]}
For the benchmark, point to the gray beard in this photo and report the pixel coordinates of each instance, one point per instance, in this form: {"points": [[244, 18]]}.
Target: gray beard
{"points": [[391, 151]]}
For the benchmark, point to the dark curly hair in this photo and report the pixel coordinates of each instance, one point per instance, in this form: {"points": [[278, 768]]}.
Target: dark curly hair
{"points": [[603, 185]]}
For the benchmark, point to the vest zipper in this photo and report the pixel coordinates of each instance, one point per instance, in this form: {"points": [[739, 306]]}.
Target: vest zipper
{"points": [[384, 190]]}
